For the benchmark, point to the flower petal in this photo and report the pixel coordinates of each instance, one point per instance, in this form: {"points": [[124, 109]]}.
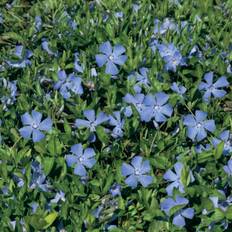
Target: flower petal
{"points": [[37, 116], [179, 221], [127, 169], [80, 170], [101, 59], [71, 159], [132, 181], [25, 132], [46, 124], [77, 149], [111, 68], [37, 135], [145, 180], [26, 119], [106, 48]]}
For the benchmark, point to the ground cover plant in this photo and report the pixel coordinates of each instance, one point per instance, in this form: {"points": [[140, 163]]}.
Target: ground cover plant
{"points": [[115, 115]]}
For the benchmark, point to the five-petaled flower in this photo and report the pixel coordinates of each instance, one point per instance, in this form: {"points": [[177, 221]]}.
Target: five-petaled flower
{"points": [[111, 57], [80, 159], [33, 126], [180, 215], [137, 172], [118, 123], [198, 125], [211, 88], [175, 178], [92, 120], [158, 106]]}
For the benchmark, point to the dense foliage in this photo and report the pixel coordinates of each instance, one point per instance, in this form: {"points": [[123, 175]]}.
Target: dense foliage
{"points": [[115, 115]]}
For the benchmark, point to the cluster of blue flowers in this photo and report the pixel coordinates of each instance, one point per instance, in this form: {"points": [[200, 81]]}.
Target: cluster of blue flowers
{"points": [[121, 132]]}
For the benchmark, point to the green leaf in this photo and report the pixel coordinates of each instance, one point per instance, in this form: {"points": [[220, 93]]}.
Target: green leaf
{"points": [[229, 213], [48, 164], [219, 150], [102, 134], [50, 218]]}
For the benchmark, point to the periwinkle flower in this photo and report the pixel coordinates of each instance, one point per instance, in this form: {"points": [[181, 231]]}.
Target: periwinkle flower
{"points": [[78, 67], [59, 196], [171, 56], [115, 190], [180, 89], [180, 215], [118, 123], [111, 57], [158, 106], [38, 23], [211, 88], [197, 125], [33, 126], [167, 25], [137, 172], [22, 55], [92, 121], [68, 84], [175, 178], [38, 179], [228, 168], [45, 47], [10, 93], [138, 102], [127, 111], [222, 204], [225, 137], [81, 159], [140, 78]]}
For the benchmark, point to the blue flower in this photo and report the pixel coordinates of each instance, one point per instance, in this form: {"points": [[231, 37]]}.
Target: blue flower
{"points": [[77, 65], [38, 179], [11, 92], [198, 125], [211, 88], [118, 123], [115, 190], [225, 137], [175, 178], [140, 78], [228, 168], [127, 111], [23, 56], [38, 23], [111, 57], [171, 56], [159, 110], [137, 172], [33, 126], [59, 196], [162, 28], [92, 120], [80, 159], [180, 215], [68, 84], [138, 102], [180, 89], [45, 47]]}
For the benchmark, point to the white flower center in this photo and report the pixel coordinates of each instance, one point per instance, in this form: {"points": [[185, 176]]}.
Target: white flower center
{"points": [[34, 125], [111, 57], [137, 171], [199, 125]]}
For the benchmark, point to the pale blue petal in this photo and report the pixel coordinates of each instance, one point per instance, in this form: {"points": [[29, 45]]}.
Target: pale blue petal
{"points": [[26, 119], [137, 162], [209, 125], [132, 181], [77, 149], [200, 115], [101, 118], [25, 132], [161, 98], [71, 159], [170, 175], [120, 60], [221, 82], [37, 135], [118, 50], [80, 170], [90, 115], [209, 77], [106, 48], [201, 134], [37, 116], [145, 180], [192, 132], [127, 169], [101, 59], [89, 153], [89, 163], [217, 93], [46, 124], [189, 120], [111, 68], [188, 213], [82, 123], [179, 221]]}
